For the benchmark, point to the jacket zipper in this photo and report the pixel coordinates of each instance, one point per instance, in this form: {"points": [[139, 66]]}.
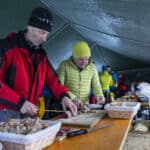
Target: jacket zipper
{"points": [[79, 84]]}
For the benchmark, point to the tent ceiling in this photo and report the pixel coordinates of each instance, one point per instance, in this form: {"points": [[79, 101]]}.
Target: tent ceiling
{"points": [[121, 26]]}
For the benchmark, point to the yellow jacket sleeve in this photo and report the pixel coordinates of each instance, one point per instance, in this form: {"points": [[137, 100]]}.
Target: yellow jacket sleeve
{"points": [[63, 76], [96, 86]]}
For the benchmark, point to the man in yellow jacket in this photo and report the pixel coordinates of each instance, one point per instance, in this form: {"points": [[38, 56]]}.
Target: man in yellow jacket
{"points": [[79, 74], [106, 82]]}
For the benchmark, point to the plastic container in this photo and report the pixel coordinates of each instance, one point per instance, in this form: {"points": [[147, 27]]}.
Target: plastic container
{"points": [[1, 146], [124, 110], [35, 141], [95, 106]]}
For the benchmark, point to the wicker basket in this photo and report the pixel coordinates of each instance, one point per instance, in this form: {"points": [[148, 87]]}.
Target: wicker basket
{"points": [[120, 114], [36, 141], [123, 110]]}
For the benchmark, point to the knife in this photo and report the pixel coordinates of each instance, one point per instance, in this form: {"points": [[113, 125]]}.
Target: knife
{"points": [[85, 131]]}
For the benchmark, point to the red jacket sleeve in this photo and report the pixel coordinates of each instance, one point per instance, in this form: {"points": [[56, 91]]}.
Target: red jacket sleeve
{"points": [[58, 90], [8, 96]]}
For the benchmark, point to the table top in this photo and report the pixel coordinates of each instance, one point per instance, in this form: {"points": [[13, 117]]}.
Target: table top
{"points": [[112, 137]]}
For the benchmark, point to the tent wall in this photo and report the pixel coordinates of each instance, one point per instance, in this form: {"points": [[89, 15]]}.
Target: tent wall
{"points": [[121, 26], [14, 16], [60, 48]]}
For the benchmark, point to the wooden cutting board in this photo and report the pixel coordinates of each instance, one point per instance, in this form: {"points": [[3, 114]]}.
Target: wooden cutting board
{"points": [[84, 120]]}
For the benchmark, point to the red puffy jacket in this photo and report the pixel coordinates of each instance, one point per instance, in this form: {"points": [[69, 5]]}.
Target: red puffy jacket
{"points": [[23, 73]]}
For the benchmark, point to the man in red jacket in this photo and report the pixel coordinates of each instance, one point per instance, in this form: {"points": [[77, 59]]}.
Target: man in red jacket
{"points": [[25, 69]]}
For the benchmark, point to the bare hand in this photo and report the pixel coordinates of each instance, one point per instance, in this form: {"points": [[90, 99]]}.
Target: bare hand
{"points": [[28, 108], [100, 99], [77, 102], [67, 103]]}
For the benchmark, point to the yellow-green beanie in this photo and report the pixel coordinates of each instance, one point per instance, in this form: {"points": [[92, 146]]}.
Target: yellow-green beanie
{"points": [[81, 49]]}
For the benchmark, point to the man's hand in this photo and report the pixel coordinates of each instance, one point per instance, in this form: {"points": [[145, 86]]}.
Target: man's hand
{"points": [[67, 103], [100, 99], [28, 108], [78, 103]]}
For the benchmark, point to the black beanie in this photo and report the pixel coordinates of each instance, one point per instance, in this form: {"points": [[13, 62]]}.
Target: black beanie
{"points": [[41, 18]]}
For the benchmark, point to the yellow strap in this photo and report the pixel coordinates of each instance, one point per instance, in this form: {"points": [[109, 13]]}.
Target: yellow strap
{"points": [[41, 107]]}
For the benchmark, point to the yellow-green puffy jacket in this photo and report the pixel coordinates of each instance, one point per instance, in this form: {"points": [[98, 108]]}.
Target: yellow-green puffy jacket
{"points": [[105, 80], [78, 82]]}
